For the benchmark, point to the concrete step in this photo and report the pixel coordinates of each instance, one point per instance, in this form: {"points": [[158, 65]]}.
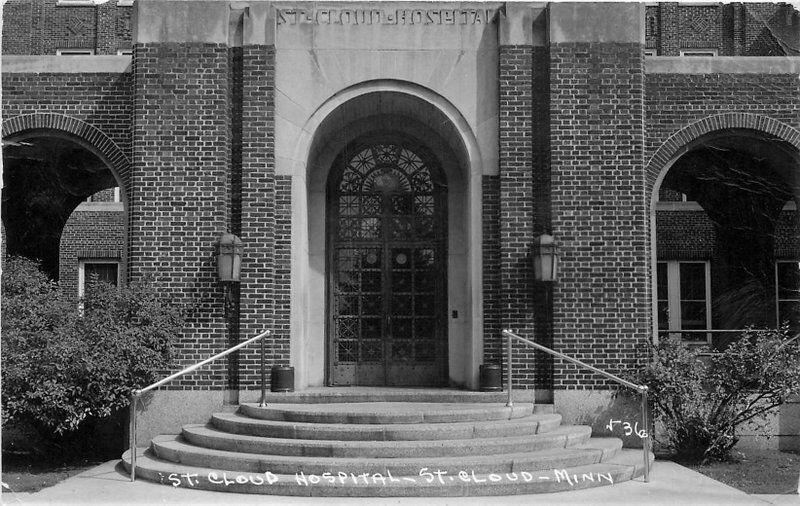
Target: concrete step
{"points": [[386, 412], [465, 481], [555, 451], [210, 437], [241, 424]]}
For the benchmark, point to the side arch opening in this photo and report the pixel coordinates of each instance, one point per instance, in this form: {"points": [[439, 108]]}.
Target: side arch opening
{"points": [[725, 235], [64, 200]]}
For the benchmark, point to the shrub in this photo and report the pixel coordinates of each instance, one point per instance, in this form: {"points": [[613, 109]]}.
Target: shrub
{"points": [[65, 368], [702, 398]]}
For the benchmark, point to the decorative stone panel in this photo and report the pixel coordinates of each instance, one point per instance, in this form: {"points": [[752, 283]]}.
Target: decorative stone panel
{"points": [[700, 26]]}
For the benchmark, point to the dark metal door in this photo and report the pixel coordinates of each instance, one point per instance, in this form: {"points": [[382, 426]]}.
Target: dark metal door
{"points": [[387, 266]]}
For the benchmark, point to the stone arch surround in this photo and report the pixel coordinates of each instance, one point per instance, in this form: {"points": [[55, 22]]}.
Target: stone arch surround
{"points": [[411, 110], [687, 138], [79, 131]]}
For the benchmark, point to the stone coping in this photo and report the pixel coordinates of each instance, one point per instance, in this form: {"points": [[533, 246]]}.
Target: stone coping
{"points": [[722, 65], [100, 206], [75, 64]]}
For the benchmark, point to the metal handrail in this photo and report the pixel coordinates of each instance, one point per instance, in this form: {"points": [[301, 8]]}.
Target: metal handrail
{"points": [[642, 389], [136, 394]]}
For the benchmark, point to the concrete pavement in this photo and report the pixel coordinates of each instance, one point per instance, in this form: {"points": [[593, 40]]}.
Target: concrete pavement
{"points": [[671, 484]]}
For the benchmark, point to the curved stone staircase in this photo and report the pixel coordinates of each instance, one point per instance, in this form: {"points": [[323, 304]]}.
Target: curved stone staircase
{"points": [[392, 443]]}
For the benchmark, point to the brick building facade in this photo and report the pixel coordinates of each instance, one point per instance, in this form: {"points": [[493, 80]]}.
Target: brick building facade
{"points": [[501, 122]]}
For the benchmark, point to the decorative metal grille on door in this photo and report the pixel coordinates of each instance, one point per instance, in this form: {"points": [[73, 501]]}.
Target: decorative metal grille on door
{"points": [[388, 302]]}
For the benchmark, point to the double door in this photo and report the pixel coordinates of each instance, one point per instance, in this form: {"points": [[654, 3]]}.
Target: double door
{"points": [[387, 290]]}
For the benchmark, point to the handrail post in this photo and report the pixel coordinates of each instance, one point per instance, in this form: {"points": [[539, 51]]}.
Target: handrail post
{"points": [[509, 403], [132, 435], [646, 440], [263, 402]]}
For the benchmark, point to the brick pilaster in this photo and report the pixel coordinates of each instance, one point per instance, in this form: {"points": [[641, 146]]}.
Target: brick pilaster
{"points": [[258, 211], [516, 199], [181, 140], [601, 299], [669, 42], [106, 28]]}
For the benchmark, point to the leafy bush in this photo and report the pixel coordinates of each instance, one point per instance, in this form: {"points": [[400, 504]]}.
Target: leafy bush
{"points": [[66, 367], [701, 398]]}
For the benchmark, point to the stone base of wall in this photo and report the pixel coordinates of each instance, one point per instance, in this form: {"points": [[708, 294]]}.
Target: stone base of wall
{"points": [[166, 411], [597, 408], [779, 430]]}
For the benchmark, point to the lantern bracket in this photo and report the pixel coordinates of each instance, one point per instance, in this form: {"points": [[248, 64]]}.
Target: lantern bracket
{"points": [[544, 254]]}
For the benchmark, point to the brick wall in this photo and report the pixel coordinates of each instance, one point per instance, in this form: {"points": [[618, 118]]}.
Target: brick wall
{"points": [[751, 29], [181, 143], [41, 27], [684, 235], [102, 100], [728, 28], [687, 27], [673, 101], [700, 26], [771, 30], [690, 235], [602, 306], [669, 31], [89, 234], [652, 26], [787, 235], [17, 27], [107, 195]]}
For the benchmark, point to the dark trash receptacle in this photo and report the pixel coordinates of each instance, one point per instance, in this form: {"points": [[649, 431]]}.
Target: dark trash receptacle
{"points": [[491, 380], [282, 378]]}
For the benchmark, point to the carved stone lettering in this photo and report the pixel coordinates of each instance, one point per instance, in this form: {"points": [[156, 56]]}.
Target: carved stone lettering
{"points": [[449, 17], [354, 17]]}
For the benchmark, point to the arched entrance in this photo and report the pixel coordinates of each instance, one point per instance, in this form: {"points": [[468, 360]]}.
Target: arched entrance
{"points": [[436, 132], [387, 264]]}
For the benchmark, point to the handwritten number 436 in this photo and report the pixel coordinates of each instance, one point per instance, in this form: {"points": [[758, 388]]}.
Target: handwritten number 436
{"points": [[628, 429]]}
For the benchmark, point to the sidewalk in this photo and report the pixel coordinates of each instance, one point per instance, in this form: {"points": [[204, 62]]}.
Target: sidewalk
{"points": [[670, 484]]}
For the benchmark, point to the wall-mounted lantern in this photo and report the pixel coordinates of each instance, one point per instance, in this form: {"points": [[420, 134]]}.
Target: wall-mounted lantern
{"points": [[545, 258], [229, 257]]}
